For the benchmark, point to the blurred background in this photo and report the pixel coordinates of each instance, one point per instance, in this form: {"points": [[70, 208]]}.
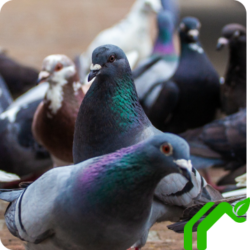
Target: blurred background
{"points": [[32, 29]]}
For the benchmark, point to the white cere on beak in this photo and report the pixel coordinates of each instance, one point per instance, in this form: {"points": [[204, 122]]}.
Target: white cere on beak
{"points": [[43, 74], [223, 41], [184, 164], [193, 33], [95, 67]]}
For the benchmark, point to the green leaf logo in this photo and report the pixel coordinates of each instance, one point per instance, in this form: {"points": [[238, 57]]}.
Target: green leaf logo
{"points": [[241, 207]]}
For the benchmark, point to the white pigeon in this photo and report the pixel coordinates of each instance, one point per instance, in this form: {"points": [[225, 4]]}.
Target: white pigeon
{"points": [[132, 35]]}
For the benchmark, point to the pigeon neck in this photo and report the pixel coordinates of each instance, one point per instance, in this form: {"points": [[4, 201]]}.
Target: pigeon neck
{"points": [[126, 171], [164, 44], [120, 102]]}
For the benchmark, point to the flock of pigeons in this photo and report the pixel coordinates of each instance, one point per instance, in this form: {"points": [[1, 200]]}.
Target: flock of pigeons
{"points": [[116, 170]]}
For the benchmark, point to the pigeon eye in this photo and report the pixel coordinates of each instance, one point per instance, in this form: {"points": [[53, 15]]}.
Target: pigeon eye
{"points": [[58, 67], [111, 59], [167, 149]]}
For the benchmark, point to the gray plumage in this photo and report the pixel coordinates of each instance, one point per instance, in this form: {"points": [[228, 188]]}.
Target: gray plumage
{"points": [[100, 204]]}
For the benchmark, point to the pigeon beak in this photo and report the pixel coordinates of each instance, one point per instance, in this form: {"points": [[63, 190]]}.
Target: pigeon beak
{"points": [[194, 34], [185, 167], [94, 71], [221, 43], [43, 76]]}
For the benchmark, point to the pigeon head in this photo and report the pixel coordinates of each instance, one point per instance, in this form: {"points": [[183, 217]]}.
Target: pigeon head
{"points": [[108, 61], [171, 153], [189, 30], [232, 34], [57, 69]]}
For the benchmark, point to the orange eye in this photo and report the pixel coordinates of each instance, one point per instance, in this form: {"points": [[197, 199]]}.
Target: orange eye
{"points": [[58, 67], [167, 149], [111, 59]]}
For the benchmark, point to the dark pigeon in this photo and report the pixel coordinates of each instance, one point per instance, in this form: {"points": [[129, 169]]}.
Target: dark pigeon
{"points": [[160, 66], [191, 97], [111, 118], [19, 78], [100, 204], [233, 89], [5, 96], [19, 152], [222, 143]]}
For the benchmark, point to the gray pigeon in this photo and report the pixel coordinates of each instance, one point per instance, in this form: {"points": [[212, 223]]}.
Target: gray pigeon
{"points": [[111, 118], [100, 204]]}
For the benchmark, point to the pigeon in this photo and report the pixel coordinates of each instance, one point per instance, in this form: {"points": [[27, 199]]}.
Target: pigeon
{"points": [[160, 66], [99, 204], [173, 7], [54, 121], [191, 97], [233, 89], [111, 117], [132, 34], [19, 78], [20, 153], [222, 142], [5, 96]]}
